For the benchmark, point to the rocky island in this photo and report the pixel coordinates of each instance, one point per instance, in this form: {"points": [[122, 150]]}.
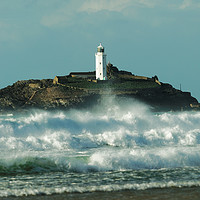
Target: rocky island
{"points": [[79, 90]]}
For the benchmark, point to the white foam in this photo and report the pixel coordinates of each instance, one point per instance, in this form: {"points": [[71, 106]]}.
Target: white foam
{"points": [[124, 124], [145, 158], [105, 188]]}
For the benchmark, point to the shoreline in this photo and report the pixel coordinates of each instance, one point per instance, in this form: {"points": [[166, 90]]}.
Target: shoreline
{"points": [[150, 194]]}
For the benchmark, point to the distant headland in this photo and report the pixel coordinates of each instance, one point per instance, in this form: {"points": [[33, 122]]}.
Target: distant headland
{"points": [[85, 89]]}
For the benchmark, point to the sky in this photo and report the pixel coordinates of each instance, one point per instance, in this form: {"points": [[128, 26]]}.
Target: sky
{"points": [[40, 39]]}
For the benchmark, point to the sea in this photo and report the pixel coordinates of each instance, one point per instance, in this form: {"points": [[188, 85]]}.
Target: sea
{"points": [[119, 144]]}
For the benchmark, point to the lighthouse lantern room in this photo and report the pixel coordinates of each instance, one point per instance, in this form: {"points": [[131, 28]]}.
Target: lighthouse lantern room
{"points": [[101, 70]]}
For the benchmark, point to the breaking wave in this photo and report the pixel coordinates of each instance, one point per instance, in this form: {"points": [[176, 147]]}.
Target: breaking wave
{"points": [[117, 145], [101, 188], [115, 135]]}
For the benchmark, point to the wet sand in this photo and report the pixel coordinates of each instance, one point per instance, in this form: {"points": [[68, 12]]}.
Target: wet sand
{"points": [[192, 193]]}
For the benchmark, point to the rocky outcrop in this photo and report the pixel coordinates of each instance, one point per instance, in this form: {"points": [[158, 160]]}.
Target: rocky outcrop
{"points": [[78, 92], [167, 98]]}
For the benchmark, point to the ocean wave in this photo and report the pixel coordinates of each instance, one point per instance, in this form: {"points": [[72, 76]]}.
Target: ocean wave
{"points": [[53, 162], [145, 158], [84, 145], [84, 129], [126, 129], [98, 160], [100, 188]]}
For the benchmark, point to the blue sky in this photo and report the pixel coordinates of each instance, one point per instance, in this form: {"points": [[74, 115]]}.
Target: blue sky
{"points": [[43, 38]]}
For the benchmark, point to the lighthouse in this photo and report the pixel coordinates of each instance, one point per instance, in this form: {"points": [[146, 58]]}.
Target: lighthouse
{"points": [[101, 70]]}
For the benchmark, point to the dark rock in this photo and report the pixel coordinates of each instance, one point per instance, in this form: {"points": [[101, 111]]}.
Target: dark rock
{"points": [[77, 93]]}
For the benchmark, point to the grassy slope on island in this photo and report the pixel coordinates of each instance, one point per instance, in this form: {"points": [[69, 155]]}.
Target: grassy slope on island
{"points": [[117, 84]]}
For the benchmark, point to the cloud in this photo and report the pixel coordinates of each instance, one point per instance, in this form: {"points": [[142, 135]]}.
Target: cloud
{"points": [[186, 4], [67, 13], [190, 4], [61, 16], [110, 5], [149, 4], [114, 5]]}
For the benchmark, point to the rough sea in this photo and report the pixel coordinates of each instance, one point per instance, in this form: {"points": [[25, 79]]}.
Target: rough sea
{"points": [[117, 145]]}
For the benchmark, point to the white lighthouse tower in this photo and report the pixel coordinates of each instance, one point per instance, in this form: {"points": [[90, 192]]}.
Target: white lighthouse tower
{"points": [[101, 70]]}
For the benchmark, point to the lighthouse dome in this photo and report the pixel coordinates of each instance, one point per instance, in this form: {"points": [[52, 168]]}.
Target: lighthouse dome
{"points": [[100, 48]]}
